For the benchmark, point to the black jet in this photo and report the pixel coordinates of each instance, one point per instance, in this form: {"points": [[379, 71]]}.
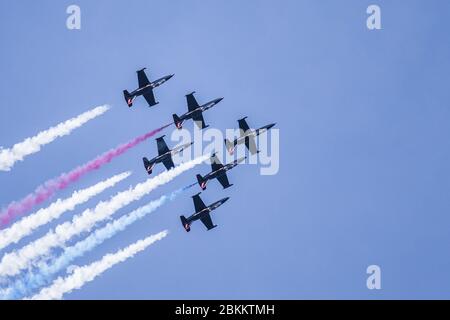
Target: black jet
{"points": [[247, 136], [202, 213], [219, 172], [145, 89], [164, 155], [195, 111]]}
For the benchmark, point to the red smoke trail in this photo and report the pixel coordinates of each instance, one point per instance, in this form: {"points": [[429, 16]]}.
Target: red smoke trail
{"points": [[50, 187]]}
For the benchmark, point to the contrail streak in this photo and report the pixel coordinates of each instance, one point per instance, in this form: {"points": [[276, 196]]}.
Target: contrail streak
{"points": [[31, 281], [28, 224], [13, 262], [32, 145], [87, 273], [50, 187]]}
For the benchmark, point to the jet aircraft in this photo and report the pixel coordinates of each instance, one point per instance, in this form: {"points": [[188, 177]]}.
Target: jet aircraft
{"points": [[145, 89], [202, 213], [247, 136], [164, 155], [195, 111], [219, 172]]}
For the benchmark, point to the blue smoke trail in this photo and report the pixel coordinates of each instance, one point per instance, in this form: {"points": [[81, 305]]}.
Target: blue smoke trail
{"points": [[32, 280]]}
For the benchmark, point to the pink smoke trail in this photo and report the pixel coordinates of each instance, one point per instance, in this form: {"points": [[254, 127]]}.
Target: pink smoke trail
{"points": [[50, 187]]}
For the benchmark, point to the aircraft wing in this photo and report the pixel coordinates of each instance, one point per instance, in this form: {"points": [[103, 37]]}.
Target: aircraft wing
{"points": [[168, 163], [223, 179], [215, 163], [206, 219], [150, 98], [191, 102], [199, 121], [198, 203], [243, 125], [162, 146], [251, 145], [142, 78]]}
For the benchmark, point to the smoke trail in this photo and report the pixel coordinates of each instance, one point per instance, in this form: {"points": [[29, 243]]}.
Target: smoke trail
{"points": [[32, 145], [49, 188], [47, 270], [87, 273], [13, 262], [43, 216]]}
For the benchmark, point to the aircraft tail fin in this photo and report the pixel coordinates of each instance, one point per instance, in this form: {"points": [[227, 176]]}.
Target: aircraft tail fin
{"points": [[201, 182], [148, 165], [230, 146], [128, 98], [177, 121], [185, 223]]}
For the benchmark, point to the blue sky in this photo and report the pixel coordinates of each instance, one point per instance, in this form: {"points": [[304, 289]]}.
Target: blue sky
{"points": [[364, 150]]}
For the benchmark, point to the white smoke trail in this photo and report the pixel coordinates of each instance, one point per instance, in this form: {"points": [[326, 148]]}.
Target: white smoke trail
{"points": [[13, 262], [30, 281], [28, 224], [32, 145], [87, 273]]}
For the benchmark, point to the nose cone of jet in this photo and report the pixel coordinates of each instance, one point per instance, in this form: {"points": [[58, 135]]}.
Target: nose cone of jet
{"points": [[169, 77], [270, 126], [225, 200], [219, 99]]}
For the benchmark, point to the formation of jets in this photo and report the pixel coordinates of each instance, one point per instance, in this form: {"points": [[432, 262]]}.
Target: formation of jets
{"points": [[195, 112]]}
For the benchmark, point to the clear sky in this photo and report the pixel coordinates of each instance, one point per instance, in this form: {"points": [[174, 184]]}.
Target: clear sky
{"points": [[364, 149]]}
